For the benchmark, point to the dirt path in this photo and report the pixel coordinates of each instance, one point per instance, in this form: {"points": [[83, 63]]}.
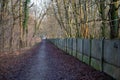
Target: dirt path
{"points": [[50, 63]]}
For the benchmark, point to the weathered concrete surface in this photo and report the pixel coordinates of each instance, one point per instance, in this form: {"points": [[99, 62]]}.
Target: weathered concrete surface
{"points": [[96, 54], [79, 46], [50, 63], [112, 57], [112, 70], [96, 50], [79, 49], [103, 55], [86, 47], [112, 52]]}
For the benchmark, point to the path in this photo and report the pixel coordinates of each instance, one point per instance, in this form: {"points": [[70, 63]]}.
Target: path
{"points": [[50, 63]]}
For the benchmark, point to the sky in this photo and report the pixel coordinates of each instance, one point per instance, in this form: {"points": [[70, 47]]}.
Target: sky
{"points": [[39, 5]]}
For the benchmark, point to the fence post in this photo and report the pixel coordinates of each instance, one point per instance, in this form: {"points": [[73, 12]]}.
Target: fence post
{"points": [[90, 51], [102, 55], [76, 47], [82, 48]]}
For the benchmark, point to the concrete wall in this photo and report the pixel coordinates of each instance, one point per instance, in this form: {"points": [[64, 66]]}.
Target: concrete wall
{"points": [[103, 55]]}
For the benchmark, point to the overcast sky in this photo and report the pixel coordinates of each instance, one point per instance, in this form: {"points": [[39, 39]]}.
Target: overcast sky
{"points": [[39, 5]]}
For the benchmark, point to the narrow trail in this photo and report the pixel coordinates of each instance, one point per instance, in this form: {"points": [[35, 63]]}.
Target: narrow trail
{"points": [[50, 63]]}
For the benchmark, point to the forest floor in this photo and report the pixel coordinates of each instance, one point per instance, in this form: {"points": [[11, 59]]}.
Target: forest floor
{"points": [[46, 62], [12, 62]]}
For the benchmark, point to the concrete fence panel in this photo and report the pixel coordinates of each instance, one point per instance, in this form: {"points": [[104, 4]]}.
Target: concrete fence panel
{"points": [[86, 51], [96, 54], [112, 52], [79, 48], [112, 58], [70, 46], [103, 55], [74, 48]]}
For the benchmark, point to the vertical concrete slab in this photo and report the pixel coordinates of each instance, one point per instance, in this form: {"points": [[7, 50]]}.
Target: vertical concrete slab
{"points": [[86, 50], [62, 45], [96, 54], [65, 44], [86, 59], [86, 47], [79, 49], [74, 47], [96, 64], [96, 50], [57, 42], [71, 46], [112, 71], [112, 52]]}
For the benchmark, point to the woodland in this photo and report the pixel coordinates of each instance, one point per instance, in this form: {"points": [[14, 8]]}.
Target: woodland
{"points": [[23, 23]]}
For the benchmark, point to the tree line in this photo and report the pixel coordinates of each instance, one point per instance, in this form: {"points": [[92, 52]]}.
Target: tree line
{"points": [[59, 18], [87, 18], [14, 16]]}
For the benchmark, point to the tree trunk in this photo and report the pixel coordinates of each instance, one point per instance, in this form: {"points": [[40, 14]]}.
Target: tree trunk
{"points": [[113, 17], [20, 24], [103, 17]]}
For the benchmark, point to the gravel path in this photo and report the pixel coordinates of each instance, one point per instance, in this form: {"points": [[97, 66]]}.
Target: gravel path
{"points": [[50, 63]]}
